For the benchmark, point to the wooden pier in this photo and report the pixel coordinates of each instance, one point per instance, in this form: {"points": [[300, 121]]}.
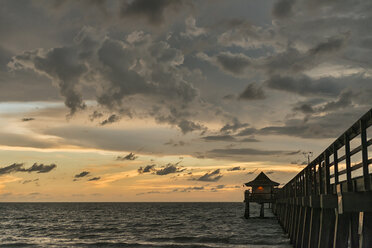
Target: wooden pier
{"points": [[329, 203]]}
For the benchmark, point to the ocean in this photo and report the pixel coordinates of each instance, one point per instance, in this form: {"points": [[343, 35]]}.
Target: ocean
{"points": [[136, 225]]}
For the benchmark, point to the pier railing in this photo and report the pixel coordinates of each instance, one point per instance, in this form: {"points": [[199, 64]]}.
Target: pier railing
{"points": [[329, 203]]}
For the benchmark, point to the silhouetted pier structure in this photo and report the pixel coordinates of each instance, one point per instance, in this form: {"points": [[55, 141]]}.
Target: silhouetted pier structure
{"points": [[329, 203], [262, 191]]}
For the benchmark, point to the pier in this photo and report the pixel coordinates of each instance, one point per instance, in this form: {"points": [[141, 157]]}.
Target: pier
{"points": [[329, 203]]}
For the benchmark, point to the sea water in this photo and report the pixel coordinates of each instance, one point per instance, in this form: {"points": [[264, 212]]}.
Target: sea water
{"points": [[136, 225]]}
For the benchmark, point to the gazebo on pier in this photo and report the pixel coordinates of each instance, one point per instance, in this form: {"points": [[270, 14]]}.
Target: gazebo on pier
{"points": [[262, 191]]}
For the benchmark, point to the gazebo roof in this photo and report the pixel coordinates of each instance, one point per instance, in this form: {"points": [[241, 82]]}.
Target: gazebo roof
{"points": [[261, 180]]}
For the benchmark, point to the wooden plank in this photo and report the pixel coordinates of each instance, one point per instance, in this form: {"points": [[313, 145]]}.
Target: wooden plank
{"points": [[326, 232], [354, 225], [356, 201], [366, 230], [306, 228], [328, 201], [341, 232], [315, 201], [300, 224], [314, 229]]}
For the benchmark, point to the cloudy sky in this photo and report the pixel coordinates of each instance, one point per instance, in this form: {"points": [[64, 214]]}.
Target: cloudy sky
{"points": [[173, 100]]}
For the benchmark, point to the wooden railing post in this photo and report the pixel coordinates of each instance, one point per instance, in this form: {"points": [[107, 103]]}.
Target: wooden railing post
{"points": [[348, 164], [363, 136], [335, 164], [315, 186], [320, 172], [327, 173]]}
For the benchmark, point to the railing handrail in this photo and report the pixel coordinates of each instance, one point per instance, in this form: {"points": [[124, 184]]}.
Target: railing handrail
{"points": [[315, 178]]}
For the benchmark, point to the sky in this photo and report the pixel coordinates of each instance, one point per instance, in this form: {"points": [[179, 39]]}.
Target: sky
{"points": [[174, 100]]}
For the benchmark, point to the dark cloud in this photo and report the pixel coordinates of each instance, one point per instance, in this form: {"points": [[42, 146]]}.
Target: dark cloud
{"points": [[289, 61], [63, 65], [345, 100], [233, 63], [252, 172], [30, 181], [324, 126], [11, 168], [130, 156], [94, 179], [247, 131], [146, 169], [213, 176], [104, 66], [175, 144], [304, 85], [236, 125], [39, 168], [177, 118], [247, 152], [28, 119], [168, 169], [119, 67], [236, 168], [252, 92], [189, 189], [152, 11], [304, 108], [333, 44], [249, 139], [112, 118], [293, 61], [82, 174], [187, 126], [283, 8], [215, 189], [95, 115], [219, 138]]}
